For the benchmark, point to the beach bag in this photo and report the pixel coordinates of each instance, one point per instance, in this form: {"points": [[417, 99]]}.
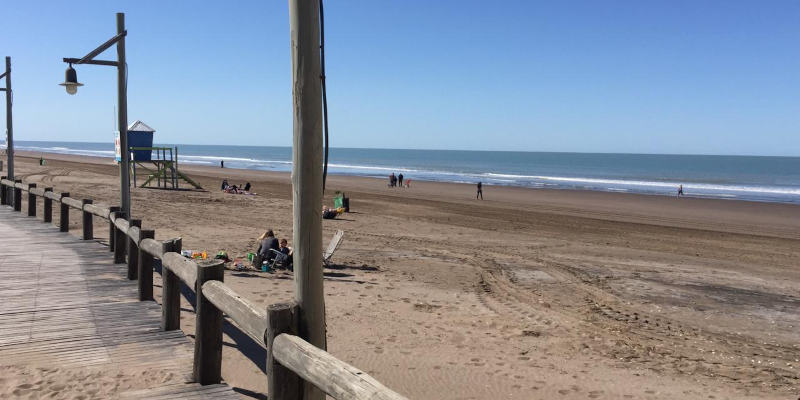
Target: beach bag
{"points": [[329, 214]]}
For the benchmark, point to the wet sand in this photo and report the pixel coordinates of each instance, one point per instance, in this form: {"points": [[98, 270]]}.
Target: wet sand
{"points": [[528, 294]]}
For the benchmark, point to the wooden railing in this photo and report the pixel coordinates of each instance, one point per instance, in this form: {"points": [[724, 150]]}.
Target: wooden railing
{"points": [[290, 359]]}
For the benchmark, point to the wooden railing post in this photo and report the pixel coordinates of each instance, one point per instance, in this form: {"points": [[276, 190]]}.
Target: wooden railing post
{"points": [[48, 206], [282, 383], [3, 192], [119, 241], [31, 201], [63, 219], [17, 196], [112, 229], [133, 251], [208, 329], [145, 268], [171, 291], [88, 221]]}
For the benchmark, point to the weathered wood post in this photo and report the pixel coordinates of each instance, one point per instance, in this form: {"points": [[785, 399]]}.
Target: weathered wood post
{"points": [[119, 240], [171, 291], [145, 268], [17, 196], [133, 251], [111, 228], [31, 201], [307, 175], [48, 205], [63, 219], [282, 383], [3, 191], [208, 329], [88, 221]]}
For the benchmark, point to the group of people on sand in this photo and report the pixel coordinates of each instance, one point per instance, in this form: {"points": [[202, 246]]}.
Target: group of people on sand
{"points": [[271, 249], [241, 189], [397, 180]]}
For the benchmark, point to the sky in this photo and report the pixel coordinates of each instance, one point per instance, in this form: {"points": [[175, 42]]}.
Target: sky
{"points": [[679, 77]]}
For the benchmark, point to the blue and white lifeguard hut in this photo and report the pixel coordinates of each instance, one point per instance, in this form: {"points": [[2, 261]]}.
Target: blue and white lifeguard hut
{"points": [[139, 135]]}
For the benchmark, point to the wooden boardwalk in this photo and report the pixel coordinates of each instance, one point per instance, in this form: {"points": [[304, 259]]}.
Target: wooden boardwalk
{"points": [[65, 306]]}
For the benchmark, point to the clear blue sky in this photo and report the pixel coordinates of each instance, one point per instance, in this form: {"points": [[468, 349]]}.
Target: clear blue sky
{"points": [[712, 77]]}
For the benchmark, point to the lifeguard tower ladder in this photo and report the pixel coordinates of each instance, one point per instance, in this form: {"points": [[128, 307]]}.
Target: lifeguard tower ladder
{"points": [[159, 171]]}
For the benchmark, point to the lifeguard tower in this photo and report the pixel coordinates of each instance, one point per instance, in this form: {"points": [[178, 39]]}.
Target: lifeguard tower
{"points": [[157, 165]]}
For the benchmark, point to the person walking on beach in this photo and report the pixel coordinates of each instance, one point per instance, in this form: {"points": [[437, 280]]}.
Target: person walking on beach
{"points": [[400, 179], [222, 163], [480, 191], [680, 190]]}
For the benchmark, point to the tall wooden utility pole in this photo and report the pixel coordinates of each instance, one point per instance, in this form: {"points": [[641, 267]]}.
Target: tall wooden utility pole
{"points": [[9, 122], [307, 174]]}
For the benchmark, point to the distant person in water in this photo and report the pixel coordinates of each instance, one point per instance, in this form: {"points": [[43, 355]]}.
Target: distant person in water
{"points": [[480, 191], [400, 179], [680, 190]]}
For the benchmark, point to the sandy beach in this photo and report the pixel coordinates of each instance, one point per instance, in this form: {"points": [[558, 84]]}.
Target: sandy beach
{"points": [[529, 294]]}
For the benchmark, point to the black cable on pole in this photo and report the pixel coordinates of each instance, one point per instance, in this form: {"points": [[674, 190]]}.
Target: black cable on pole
{"points": [[324, 91]]}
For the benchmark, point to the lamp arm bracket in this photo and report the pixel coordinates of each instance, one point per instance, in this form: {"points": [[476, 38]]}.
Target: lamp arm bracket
{"points": [[95, 62], [103, 47], [4, 75]]}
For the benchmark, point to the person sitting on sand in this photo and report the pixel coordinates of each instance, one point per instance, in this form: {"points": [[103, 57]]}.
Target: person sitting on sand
{"points": [[247, 187], [286, 253], [224, 184], [266, 241]]}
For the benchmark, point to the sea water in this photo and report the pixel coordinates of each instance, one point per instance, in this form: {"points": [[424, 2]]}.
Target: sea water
{"points": [[772, 179]]}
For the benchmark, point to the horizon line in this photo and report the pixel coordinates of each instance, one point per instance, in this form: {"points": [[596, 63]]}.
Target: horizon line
{"points": [[3, 146]]}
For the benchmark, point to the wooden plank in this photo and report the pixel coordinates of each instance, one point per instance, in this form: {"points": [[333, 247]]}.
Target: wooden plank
{"points": [[135, 233], [53, 196], [244, 313], [98, 210], [65, 305], [122, 224], [152, 247], [333, 376], [37, 191], [74, 203], [181, 266]]}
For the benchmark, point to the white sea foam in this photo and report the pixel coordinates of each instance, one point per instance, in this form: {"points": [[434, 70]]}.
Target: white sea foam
{"points": [[771, 192]]}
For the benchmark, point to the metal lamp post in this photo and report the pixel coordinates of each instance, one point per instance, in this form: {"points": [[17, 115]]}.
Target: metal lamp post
{"points": [[9, 121], [71, 85]]}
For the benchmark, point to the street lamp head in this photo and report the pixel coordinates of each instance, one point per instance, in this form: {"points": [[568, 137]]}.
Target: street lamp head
{"points": [[71, 80]]}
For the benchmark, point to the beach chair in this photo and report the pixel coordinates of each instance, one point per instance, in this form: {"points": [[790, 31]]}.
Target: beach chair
{"points": [[279, 260], [336, 240]]}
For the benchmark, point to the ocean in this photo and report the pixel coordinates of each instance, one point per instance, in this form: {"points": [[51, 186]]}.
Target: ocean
{"points": [[755, 178]]}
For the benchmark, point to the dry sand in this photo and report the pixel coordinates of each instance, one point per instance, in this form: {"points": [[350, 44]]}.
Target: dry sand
{"points": [[530, 294]]}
